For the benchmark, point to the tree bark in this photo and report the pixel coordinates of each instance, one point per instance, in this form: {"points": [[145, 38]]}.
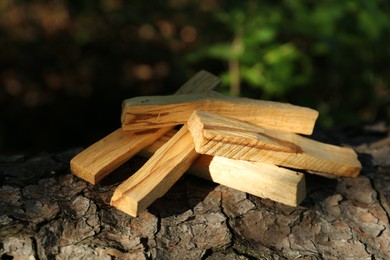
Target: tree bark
{"points": [[47, 213]]}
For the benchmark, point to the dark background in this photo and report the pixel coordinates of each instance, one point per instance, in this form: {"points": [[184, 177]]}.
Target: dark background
{"points": [[66, 66]]}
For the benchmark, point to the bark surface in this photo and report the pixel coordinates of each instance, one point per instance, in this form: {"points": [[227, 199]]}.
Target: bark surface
{"points": [[47, 213]]}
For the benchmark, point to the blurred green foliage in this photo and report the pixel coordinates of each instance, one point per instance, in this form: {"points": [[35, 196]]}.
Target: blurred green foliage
{"points": [[331, 55], [61, 59], [255, 54]]}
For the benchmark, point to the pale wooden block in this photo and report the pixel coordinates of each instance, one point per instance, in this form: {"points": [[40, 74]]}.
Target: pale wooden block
{"points": [[107, 154], [157, 175], [259, 179], [142, 113], [218, 135]]}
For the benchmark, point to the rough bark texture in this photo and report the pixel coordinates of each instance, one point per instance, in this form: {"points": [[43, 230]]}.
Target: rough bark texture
{"points": [[47, 213]]}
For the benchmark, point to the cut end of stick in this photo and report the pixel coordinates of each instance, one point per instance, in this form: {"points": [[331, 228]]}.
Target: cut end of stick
{"points": [[301, 190], [195, 127], [82, 173], [125, 203], [201, 82]]}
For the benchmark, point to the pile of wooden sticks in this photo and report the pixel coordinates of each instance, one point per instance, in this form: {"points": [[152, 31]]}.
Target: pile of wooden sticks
{"points": [[246, 144]]}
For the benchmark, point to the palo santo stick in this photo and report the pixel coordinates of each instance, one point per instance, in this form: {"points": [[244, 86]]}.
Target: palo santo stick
{"points": [[104, 156], [223, 136], [259, 179], [142, 113], [157, 175]]}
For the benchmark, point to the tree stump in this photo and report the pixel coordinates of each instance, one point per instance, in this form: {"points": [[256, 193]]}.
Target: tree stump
{"points": [[47, 213]]}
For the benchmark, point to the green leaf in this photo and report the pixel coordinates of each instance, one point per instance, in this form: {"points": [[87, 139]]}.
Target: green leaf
{"points": [[254, 75], [262, 35], [280, 53]]}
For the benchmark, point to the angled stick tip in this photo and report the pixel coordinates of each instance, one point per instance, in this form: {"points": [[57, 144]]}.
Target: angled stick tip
{"points": [[78, 170], [125, 203]]}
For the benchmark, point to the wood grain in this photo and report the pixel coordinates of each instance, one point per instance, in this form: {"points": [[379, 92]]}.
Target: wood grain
{"points": [[142, 113], [223, 136], [157, 175], [259, 179], [104, 156], [107, 154]]}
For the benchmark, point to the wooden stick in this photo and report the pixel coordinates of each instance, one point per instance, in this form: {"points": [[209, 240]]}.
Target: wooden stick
{"points": [[104, 156], [259, 179], [142, 113], [157, 175], [223, 136]]}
